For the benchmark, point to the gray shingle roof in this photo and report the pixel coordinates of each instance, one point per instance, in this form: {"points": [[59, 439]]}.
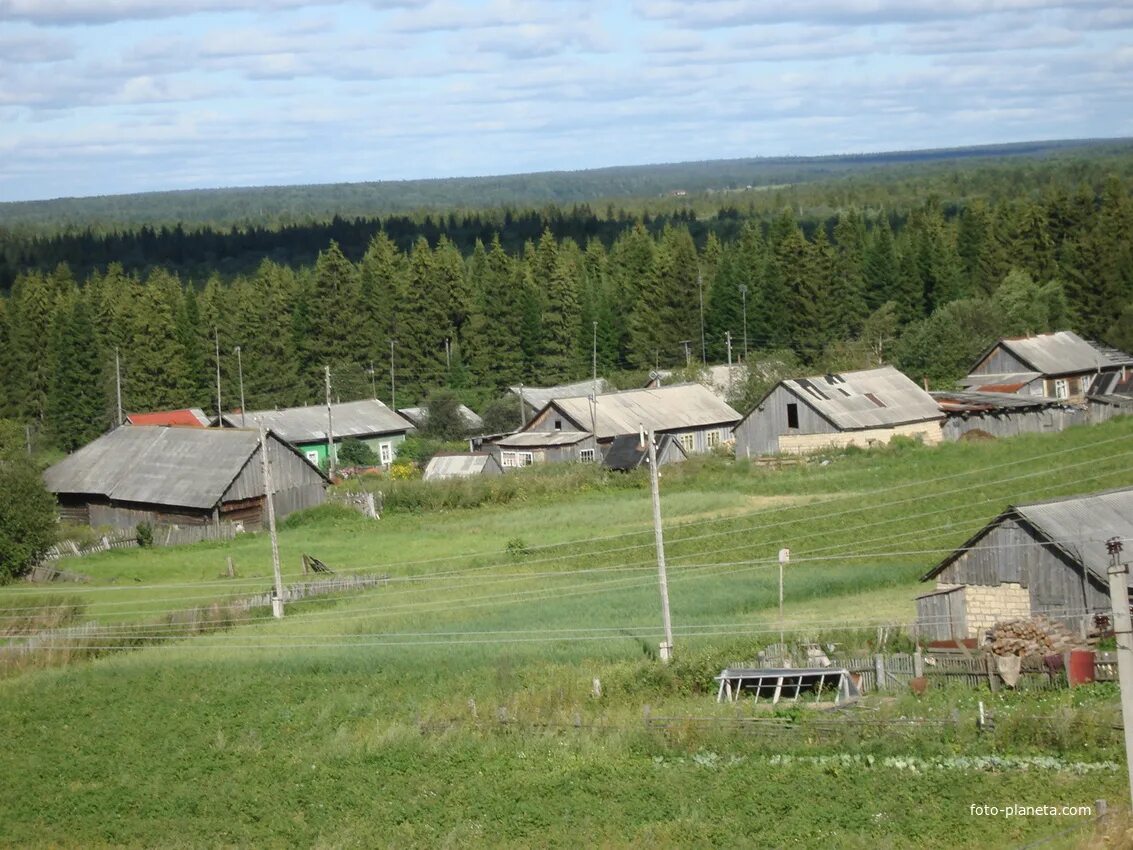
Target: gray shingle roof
{"points": [[366, 418], [538, 397], [1079, 526], [673, 408], [870, 398], [419, 415], [1064, 352], [528, 439], [182, 467]]}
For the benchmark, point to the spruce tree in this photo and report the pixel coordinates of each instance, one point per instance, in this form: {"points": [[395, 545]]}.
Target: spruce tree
{"points": [[382, 277], [155, 372], [75, 407], [881, 265], [630, 265], [425, 324], [332, 333]]}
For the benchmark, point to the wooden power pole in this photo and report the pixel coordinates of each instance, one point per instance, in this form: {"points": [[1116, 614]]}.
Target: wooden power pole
{"points": [[1123, 634], [330, 427], [654, 485], [269, 493]]}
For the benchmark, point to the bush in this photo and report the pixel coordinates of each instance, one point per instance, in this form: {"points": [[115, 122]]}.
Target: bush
{"points": [[27, 519], [144, 532], [353, 452]]}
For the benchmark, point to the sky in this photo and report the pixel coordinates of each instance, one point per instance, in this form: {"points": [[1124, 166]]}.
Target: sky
{"points": [[103, 97]]}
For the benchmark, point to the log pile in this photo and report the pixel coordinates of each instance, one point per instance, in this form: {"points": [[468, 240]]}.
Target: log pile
{"points": [[1037, 636]]}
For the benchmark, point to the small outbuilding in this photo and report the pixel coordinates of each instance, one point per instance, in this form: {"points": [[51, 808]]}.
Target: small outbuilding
{"points": [[1004, 414], [626, 452], [1047, 558], [192, 478], [461, 465], [530, 447], [864, 408]]}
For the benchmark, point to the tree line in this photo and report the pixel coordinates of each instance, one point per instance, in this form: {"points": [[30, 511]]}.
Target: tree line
{"points": [[925, 290]]}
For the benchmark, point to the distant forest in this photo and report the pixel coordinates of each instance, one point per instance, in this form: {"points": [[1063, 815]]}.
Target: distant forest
{"points": [[919, 269]]}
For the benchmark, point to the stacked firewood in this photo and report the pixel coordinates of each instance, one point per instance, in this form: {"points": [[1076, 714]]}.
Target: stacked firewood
{"points": [[1037, 636]]}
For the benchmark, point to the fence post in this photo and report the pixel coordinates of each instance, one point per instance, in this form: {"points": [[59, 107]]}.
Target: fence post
{"points": [[918, 663], [879, 671]]}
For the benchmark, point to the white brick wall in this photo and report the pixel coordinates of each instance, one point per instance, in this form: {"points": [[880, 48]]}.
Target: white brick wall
{"points": [[928, 432], [986, 605]]}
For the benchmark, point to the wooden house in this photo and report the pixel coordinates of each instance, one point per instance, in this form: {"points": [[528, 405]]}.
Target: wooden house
{"points": [[1058, 365], [530, 447], [461, 465], [979, 414], [1046, 558], [184, 477], [863, 408], [306, 428], [534, 399], [690, 413]]}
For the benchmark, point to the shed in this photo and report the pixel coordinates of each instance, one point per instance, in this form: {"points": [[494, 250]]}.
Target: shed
{"points": [[461, 465], [626, 452], [370, 420], [1044, 558], [691, 413], [1110, 394], [863, 408], [186, 477], [530, 447], [1004, 414], [1056, 365]]}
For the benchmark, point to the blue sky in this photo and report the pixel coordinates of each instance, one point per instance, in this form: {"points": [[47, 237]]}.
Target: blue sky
{"points": [[112, 96]]}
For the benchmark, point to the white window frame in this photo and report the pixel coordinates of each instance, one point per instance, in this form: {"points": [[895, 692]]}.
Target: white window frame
{"points": [[312, 456], [688, 442], [385, 453], [514, 460], [1061, 388], [586, 455], [712, 438]]}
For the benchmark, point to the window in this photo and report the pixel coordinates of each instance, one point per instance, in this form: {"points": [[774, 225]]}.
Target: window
{"points": [[1061, 388], [313, 457], [586, 455], [385, 454], [792, 415], [713, 438], [686, 441], [558, 424], [516, 459]]}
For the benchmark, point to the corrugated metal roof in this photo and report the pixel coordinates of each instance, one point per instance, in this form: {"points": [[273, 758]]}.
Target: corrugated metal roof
{"points": [[418, 415], [673, 408], [454, 465], [539, 397], [1078, 525], [1112, 384], [528, 439], [1064, 352], [182, 467], [309, 424], [192, 417], [982, 402], [869, 398]]}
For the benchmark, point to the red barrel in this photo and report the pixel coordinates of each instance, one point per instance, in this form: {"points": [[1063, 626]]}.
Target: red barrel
{"points": [[1081, 671]]}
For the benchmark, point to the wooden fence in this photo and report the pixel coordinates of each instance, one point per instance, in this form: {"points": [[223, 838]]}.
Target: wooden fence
{"points": [[316, 587]]}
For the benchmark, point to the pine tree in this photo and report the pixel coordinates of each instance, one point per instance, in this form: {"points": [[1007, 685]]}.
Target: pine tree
{"points": [[847, 306], [155, 372], [881, 265], [494, 331], [382, 276], [33, 311], [561, 323], [424, 326], [630, 265], [333, 327]]}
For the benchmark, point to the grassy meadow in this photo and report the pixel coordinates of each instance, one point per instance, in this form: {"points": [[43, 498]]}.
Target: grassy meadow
{"points": [[455, 706]]}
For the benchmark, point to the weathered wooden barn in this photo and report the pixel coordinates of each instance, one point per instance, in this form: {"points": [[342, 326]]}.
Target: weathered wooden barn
{"points": [[1058, 365], [691, 413], [863, 408], [1110, 395], [1046, 558], [187, 477], [530, 447], [461, 465], [1004, 414]]}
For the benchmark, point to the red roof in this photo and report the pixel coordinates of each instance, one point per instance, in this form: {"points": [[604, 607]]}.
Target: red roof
{"points": [[166, 417]]}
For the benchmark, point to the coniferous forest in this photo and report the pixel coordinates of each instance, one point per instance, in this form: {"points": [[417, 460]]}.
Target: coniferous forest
{"points": [[923, 273]]}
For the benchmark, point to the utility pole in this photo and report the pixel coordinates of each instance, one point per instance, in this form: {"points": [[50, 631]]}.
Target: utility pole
{"points": [[219, 409], [743, 295], [594, 360], [1123, 634], [118, 382], [703, 344], [448, 354], [240, 370], [728, 340], [373, 385], [784, 559], [392, 380], [688, 352], [654, 485], [522, 412], [269, 494], [330, 428], [594, 426]]}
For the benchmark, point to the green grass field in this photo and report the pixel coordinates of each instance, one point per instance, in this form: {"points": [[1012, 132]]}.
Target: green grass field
{"points": [[453, 706]]}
